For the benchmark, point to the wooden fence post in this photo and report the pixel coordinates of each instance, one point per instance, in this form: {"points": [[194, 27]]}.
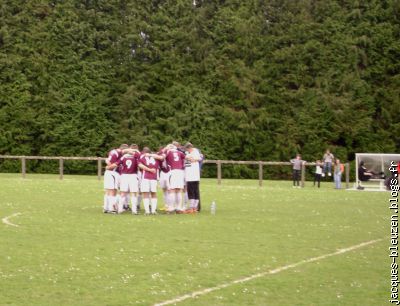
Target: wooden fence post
{"points": [[23, 166], [61, 168], [219, 172], [260, 173], [99, 168], [303, 174], [347, 175]]}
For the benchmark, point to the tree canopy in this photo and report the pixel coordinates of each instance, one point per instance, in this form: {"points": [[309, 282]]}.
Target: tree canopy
{"points": [[248, 80]]}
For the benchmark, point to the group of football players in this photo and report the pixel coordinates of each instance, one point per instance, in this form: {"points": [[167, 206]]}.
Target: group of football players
{"points": [[132, 175]]}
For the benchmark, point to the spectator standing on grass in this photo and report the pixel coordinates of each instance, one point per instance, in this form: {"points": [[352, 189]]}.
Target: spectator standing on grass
{"points": [[297, 162], [192, 176], [318, 172], [327, 159], [338, 170]]}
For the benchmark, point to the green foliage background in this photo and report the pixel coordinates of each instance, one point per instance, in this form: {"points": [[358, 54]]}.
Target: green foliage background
{"points": [[242, 80]]}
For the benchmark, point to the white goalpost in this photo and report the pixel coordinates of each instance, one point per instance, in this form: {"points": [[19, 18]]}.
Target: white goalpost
{"points": [[376, 165]]}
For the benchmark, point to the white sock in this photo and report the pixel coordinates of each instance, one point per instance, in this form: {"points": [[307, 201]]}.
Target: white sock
{"points": [[134, 204], [165, 197], [120, 204], [109, 204], [112, 200], [196, 204], [185, 200], [153, 205], [105, 202], [127, 198], [179, 203], [139, 199], [146, 203], [171, 201]]}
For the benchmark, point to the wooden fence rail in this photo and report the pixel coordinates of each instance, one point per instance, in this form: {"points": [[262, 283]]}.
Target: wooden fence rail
{"points": [[219, 164]]}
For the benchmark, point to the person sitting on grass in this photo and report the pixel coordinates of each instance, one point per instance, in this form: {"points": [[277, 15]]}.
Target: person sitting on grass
{"points": [[192, 176]]}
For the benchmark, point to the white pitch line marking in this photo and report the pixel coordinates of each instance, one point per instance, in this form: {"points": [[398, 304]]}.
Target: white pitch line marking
{"points": [[5, 220], [262, 274]]}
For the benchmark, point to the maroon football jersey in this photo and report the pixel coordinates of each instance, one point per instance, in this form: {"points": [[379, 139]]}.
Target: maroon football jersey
{"points": [[163, 164], [175, 159], [129, 164], [151, 163], [114, 158]]}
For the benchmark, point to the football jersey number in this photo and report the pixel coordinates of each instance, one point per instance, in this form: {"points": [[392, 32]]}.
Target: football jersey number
{"points": [[150, 161], [176, 156], [128, 163]]}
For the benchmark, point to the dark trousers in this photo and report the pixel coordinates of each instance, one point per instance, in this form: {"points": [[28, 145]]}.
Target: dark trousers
{"points": [[193, 190], [296, 177], [317, 178], [199, 205]]}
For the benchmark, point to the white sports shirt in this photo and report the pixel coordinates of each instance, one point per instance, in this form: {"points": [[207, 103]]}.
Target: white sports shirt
{"points": [[192, 170]]}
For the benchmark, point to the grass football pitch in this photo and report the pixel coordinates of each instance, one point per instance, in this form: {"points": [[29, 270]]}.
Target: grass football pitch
{"points": [[65, 251]]}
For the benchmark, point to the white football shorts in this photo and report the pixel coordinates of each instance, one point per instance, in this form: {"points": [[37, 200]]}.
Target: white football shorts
{"points": [[129, 183], [140, 178], [177, 179], [111, 179], [164, 180], [148, 185]]}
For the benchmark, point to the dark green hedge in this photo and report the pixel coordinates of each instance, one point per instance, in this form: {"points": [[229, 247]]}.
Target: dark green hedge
{"points": [[242, 80]]}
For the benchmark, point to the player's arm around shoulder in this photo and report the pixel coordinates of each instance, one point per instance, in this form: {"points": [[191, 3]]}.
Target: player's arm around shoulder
{"points": [[145, 168], [110, 166], [160, 157]]}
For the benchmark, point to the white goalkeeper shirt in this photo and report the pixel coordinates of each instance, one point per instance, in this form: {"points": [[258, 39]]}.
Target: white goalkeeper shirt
{"points": [[192, 169]]}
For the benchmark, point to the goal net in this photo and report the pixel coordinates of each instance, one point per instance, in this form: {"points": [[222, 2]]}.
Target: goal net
{"points": [[377, 165]]}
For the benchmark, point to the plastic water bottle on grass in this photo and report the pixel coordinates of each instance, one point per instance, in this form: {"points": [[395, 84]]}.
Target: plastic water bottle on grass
{"points": [[213, 208]]}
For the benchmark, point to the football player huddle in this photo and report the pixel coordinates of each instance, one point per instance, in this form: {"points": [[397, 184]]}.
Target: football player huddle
{"points": [[132, 176]]}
